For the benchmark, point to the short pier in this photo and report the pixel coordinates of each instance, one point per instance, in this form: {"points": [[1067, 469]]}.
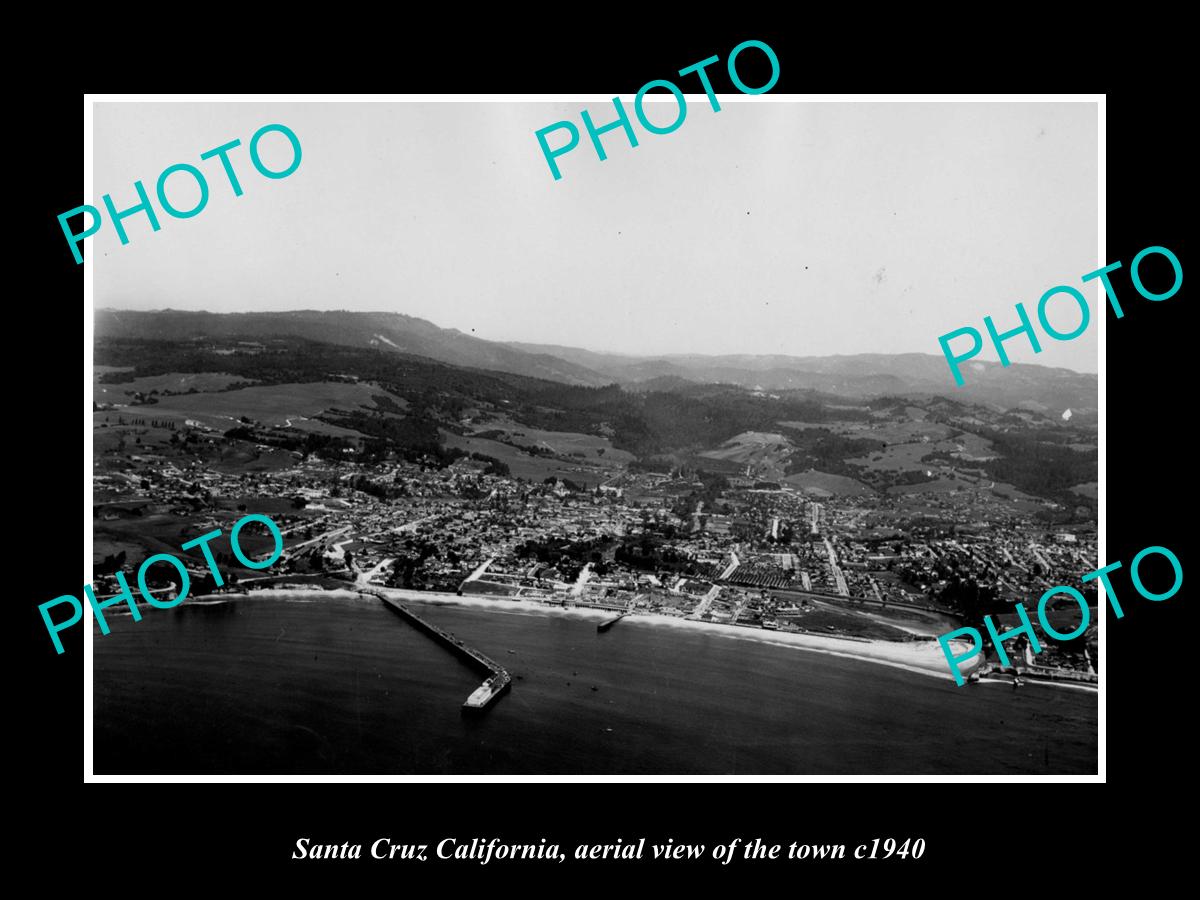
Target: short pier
{"points": [[498, 680], [609, 623]]}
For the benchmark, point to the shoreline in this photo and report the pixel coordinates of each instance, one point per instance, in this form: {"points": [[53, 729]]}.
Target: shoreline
{"points": [[921, 658]]}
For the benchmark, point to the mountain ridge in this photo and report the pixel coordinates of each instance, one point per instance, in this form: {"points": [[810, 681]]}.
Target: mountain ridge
{"points": [[1051, 390], [400, 332]]}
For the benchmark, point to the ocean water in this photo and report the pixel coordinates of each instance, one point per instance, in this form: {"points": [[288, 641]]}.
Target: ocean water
{"points": [[304, 684]]}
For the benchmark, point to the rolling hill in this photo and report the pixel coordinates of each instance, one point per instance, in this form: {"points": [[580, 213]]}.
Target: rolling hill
{"points": [[1050, 391], [296, 393], [1040, 388], [384, 331]]}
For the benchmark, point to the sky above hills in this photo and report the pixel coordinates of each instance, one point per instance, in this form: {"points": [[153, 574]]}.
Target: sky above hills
{"points": [[767, 228]]}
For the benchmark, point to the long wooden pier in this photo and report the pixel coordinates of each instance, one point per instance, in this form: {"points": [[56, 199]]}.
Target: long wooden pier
{"points": [[498, 680]]}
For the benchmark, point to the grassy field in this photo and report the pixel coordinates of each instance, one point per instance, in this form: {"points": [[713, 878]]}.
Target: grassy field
{"points": [[749, 446], [828, 620], [116, 448], [940, 486], [765, 453], [898, 458], [107, 435], [203, 382], [527, 466], [279, 404], [564, 443], [289, 405], [972, 447], [872, 620], [488, 588], [889, 431], [826, 484], [239, 457]]}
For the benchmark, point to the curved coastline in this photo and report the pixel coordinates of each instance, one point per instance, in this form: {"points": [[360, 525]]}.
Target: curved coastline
{"points": [[921, 658]]}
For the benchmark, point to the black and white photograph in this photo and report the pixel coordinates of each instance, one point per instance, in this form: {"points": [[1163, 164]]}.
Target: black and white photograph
{"points": [[505, 443]]}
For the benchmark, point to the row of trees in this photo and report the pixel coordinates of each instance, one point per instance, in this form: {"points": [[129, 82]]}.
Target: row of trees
{"points": [[153, 423]]}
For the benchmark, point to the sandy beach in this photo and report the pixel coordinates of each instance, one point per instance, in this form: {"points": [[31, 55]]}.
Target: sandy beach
{"points": [[920, 657]]}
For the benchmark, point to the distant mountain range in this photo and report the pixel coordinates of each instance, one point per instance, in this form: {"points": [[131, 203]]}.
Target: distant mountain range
{"points": [[1046, 390], [1040, 388]]}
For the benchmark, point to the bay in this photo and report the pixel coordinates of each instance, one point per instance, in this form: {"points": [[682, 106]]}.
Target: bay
{"points": [[318, 684]]}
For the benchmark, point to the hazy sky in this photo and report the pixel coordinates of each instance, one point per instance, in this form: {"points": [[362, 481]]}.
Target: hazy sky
{"points": [[768, 227]]}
